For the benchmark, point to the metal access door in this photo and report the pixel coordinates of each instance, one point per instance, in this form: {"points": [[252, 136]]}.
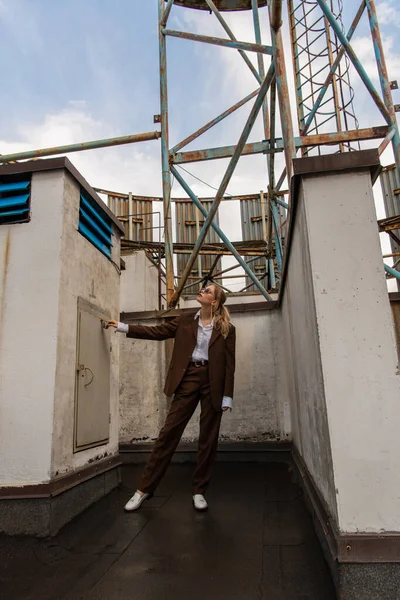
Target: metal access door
{"points": [[92, 397]]}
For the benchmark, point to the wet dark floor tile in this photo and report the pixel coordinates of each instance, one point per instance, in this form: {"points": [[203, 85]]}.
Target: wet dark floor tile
{"points": [[255, 543]]}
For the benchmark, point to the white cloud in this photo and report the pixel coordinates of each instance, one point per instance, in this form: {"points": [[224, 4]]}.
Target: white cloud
{"points": [[388, 14], [133, 168], [137, 167], [364, 50]]}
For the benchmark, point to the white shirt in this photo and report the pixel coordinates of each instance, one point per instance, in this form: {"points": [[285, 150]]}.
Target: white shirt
{"points": [[200, 352]]}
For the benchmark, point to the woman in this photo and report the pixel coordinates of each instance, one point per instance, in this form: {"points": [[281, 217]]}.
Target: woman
{"points": [[201, 370]]}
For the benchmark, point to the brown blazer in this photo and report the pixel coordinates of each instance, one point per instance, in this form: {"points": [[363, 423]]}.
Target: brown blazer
{"points": [[221, 354]]}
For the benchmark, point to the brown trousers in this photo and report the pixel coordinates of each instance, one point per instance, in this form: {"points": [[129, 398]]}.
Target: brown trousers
{"points": [[194, 387]]}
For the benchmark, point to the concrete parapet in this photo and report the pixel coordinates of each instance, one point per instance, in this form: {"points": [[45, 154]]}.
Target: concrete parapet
{"points": [[342, 363]]}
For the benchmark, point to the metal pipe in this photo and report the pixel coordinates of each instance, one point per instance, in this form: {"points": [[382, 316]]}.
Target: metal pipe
{"points": [[259, 253], [356, 63], [263, 276], [264, 147], [296, 65], [283, 98], [263, 216], [218, 41], [166, 176], [278, 242], [333, 68], [368, 133], [326, 84], [210, 124], [272, 273], [335, 89], [167, 10], [213, 277], [225, 180], [281, 203], [231, 35], [382, 147], [220, 272], [261, 70], [384, 79], [117, 141], [130, 222], [269, 129], [276, 14], [197, 235], [391, 255], [392, 271], [272, 139], [223, 152], [236, 267], [208, 220]]}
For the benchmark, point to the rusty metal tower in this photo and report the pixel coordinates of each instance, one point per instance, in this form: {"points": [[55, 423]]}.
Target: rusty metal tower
{"points": [[321, 55]]}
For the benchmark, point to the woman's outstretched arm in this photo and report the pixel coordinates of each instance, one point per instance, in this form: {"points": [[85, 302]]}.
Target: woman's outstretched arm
{"points": [[230, 347], [154, 332]]}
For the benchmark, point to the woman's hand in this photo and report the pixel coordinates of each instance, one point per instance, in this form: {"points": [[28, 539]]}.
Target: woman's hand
{"points": [[225, 408], [111, 324]]}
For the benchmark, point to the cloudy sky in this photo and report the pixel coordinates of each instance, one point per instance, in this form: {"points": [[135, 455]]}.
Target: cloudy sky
{"points": [[76, 71]]}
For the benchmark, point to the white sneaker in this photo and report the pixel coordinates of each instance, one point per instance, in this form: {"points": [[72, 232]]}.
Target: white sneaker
{"points": [[136, 501], [199, 502]]}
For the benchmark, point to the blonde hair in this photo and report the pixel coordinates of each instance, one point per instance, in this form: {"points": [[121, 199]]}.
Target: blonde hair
{"points": [[221, 314]]}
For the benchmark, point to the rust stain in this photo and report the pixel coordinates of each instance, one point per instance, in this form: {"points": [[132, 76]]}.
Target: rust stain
{"points": [[5, 268]]}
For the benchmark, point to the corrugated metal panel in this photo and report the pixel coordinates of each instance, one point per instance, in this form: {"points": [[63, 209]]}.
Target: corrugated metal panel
{"points": [[141, 215], [187, 232], [252, 229], [390, 191], [391, 199]]}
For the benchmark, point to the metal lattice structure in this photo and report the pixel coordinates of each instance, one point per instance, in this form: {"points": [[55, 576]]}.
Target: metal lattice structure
{"points": [[315, 48], [321, 55]]}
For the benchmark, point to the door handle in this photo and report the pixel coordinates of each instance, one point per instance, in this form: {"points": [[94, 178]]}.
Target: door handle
{"points": [[91, 372], [83, 368]]}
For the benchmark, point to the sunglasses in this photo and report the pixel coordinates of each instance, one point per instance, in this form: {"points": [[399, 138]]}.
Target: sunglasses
{"points": [[206, 291]]}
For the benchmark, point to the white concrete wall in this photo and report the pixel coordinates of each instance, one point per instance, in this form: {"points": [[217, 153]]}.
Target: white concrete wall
{"points": [[88, 274], [303, 366], [30, 257], [143, 405], [261, 409], [260, 402], [139, 284], [358, 349]]}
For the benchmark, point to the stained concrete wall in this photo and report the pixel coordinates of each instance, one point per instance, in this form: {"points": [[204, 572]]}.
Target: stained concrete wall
{"points": [[84, 273], [260, 401], [45, 265], [339, 337], [358, 350], [139, 290], [260, 410], [30, 261], [303, 365], [395, 304]]}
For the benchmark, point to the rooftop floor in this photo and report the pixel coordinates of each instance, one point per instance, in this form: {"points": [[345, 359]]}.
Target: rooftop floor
{"points": [[256, 542]]}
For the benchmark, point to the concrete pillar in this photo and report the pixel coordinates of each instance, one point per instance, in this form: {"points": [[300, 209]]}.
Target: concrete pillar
{"points": [[48, 272], [344, 372]]}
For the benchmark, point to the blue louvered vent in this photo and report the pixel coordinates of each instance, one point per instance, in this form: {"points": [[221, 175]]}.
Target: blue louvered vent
{"points": [[95, 224], [15, 199]]}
